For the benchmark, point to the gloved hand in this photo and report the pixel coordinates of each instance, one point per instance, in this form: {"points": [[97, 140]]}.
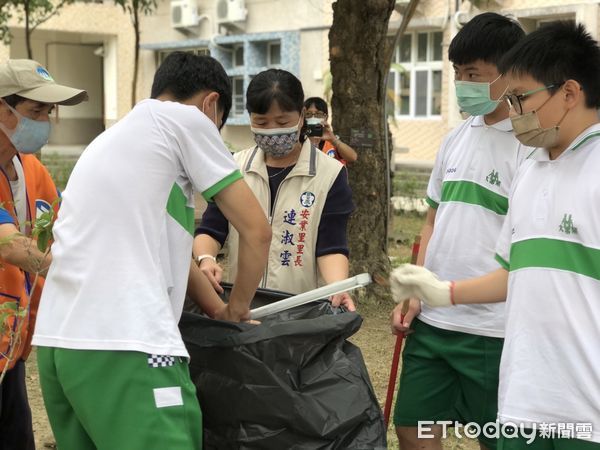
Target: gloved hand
{"points": [[408, 281]]}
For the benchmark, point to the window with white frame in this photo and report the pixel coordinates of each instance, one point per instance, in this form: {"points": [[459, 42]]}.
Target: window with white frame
{"points": [[237, 85], [415, 80], [274, 54], [162, 54]]}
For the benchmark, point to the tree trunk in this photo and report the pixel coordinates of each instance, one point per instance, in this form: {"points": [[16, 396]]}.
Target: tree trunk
{"points": [[136, 57], [357, 47], [28, 30]]}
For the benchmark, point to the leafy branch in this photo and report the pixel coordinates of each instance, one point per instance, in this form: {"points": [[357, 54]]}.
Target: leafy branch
{"points": [[12, 316], [33, 12]]}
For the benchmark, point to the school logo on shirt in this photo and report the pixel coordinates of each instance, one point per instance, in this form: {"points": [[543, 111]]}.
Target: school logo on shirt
{"points": [[567, 226], [307, 199], [493, 178]]}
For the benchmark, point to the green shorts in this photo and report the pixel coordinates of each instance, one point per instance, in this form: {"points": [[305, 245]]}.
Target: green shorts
{"points": [[119, 400], [448, 375], [542, 443]]}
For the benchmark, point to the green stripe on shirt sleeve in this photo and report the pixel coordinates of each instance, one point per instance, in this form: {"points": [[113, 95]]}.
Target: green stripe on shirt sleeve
{"points": [[432, 202], [504, 263], [475, 194], [220, 185]]}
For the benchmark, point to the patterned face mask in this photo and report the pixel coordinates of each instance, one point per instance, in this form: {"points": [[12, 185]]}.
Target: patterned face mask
{"points": [[276, 142]]}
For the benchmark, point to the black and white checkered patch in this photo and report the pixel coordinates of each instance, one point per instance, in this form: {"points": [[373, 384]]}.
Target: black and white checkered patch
{"points": [[160, 360]]}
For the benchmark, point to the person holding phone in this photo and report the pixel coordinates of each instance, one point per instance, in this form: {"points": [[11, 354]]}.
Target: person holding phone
{"points": [[321, 134]]}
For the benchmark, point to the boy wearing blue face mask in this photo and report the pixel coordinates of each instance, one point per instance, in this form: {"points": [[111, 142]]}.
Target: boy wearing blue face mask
{"points": [[27, 95], [451, 359]]}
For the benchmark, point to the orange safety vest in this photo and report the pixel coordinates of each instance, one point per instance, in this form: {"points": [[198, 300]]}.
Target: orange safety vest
{"points": [[41, 194], [330, 150]]}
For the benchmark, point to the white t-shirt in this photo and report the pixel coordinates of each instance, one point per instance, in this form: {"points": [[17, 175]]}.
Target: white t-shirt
{"points": [[469, 186], [123, 237], [550, 243]]}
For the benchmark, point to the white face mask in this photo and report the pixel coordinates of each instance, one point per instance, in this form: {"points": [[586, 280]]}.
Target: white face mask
{"points": [[314, 121], [276, 142]]}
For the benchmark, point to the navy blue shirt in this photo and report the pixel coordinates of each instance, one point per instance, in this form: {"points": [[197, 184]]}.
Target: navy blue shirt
{"points": [[333, 226]]}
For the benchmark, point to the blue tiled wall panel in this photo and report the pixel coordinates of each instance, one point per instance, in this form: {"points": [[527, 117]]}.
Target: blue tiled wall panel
{"points": [[255, 55]]}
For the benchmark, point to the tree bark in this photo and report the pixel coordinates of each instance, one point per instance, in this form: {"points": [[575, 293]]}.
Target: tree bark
{"points": [[27, 30], [357, 48], [136, 57]]}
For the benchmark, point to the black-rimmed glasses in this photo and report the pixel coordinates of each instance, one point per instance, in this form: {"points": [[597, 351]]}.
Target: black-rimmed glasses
{"points": [[514, 100]]}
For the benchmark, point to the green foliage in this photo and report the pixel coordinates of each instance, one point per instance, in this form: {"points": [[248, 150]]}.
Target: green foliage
{"points": [[8, 310], [134, 7], [39, 11], [405, 186], [60, 167], [42, 230]]}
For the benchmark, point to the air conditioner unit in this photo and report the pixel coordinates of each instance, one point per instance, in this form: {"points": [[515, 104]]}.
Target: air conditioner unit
{"points": [[231, 12], [184, 13]]}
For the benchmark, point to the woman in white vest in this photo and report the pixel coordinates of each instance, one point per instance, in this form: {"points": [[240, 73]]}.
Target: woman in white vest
{"points": [[304, 193]]}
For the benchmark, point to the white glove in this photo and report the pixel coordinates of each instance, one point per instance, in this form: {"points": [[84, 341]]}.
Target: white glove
{"points": [[410, 281]]}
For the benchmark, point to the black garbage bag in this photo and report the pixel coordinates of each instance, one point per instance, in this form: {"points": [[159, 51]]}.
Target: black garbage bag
{"points": [[293, 382]]}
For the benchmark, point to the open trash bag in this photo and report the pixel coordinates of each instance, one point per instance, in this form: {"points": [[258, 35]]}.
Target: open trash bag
{"points": [[293, 382]]}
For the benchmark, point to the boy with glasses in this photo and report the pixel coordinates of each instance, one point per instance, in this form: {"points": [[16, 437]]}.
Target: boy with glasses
{"points": [[548, 249], [451, 360]]}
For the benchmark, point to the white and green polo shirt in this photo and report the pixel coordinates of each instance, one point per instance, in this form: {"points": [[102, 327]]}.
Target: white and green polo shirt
{"points": [[469, 187], [550, 369], [123, 238]]}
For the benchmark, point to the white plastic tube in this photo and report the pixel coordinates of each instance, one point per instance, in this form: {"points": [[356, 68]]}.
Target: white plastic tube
{"points": [[348, 284]]}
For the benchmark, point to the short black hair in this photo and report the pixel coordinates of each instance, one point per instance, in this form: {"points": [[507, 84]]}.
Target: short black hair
{"points": [[183, 75], [274, 85], [318, 102], [557, 52], [485, 37], [13, 100]]}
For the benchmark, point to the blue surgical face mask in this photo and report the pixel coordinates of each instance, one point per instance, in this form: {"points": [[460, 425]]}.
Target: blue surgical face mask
{"points": [[29, 135], [474, 97]]}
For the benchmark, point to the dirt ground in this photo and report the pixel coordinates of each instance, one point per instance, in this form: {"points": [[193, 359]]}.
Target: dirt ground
{"points": [[374, 339]]}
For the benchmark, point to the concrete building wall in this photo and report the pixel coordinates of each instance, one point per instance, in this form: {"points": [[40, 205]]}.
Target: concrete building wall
{"points": [[66, 44], [309, 19], [419, 139], [69, 40]]}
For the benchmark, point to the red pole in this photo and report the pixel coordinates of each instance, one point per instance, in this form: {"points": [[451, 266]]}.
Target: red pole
{"points": [[398, 347]]}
